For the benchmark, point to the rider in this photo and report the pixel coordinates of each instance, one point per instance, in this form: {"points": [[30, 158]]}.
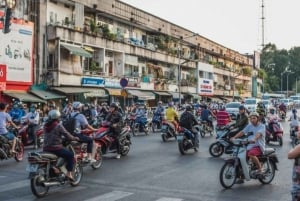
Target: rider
{"points": [[272, 118], [82, 123], [141, 116], [282, 107], [261, 110], [223, 118], [188, 120], [86, 111], [242, 119], [205, 113], [114, 117], [257, 147], [33, 118], [294, 118], [157, 116], [172, 115], [16, 112], [53, 132], [4, 119]]}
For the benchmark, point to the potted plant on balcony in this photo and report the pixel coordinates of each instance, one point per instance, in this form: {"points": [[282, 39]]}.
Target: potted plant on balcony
{"points": [[93, 26], [93, 67]]}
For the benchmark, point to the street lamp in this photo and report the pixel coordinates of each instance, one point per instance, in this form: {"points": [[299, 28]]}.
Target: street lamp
{"points": [[179, 65]]}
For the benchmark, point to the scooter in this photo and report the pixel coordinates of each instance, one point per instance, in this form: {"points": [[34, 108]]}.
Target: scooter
{"points": [[238, 166], [168, 130], [186, 140], [23, 133], [206, 127], [293, 135], [156, 123], [275, 135]]}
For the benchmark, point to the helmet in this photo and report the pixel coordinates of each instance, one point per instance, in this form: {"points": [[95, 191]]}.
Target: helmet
{"points": [[241, 107], [294, 111], [170, 104], [159, 102], [76, 105], [33, 106], [188, 108], [54, 114], [2, 106], [114, 105], [254, 114]]}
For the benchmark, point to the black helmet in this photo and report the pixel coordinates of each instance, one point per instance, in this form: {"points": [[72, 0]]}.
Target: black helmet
{"points": [[241, 107], [114, 105], [188, 108], [33, 106]]}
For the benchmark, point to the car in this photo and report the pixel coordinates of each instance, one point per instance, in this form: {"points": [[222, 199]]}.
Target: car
{"points": [[251, 104], [233, 109]]}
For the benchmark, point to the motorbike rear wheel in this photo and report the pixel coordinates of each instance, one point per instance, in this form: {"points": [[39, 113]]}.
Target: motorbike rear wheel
{"points": [[164, 137], [37, 187], [269, 172], [19, 156], [182, 147], [77, 174], [279, 139], [228, 175], [98, 158], [124, 152], [216, 149]]}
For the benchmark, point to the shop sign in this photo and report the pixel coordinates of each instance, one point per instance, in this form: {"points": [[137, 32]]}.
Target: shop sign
{"points": [[2, 77], [112, 83], [134, 82], [96, 93], [91, 81], [206, 87]]}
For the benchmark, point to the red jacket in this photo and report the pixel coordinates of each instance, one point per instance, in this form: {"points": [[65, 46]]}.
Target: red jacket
{"points": [[223, 118]]}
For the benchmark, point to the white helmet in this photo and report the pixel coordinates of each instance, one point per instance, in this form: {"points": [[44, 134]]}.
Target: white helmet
{"points": [[54, 114], [76, 105]]}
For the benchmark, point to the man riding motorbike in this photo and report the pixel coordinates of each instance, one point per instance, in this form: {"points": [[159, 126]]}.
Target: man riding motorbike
{"points": [[17, 112], [205, 114], [242, 119], [282, 108], [114, 118], [223, 117], [272, 118], [294, 119], [4, 119], [172, 115], [188, 120], [82, 123], [53, 132], [257, 135], [33, 119]]}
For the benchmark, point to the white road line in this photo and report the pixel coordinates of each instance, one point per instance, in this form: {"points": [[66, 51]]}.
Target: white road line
{"points": [[14, 185], [169, 199], [111, 196]]}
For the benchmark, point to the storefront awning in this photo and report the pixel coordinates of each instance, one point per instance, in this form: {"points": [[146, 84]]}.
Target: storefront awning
{"points": [[195, 96], [86, 91], [115, 92], [46, 95], [23, 96], [176, 95], [162, 93], [76, 50], [142, 95]]}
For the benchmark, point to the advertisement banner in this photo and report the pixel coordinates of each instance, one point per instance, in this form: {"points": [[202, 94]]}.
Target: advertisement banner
{"points": [[206, 87], [16, 50], [2, 77]]}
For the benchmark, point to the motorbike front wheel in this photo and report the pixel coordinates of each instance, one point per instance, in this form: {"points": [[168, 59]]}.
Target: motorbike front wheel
{"points": [[37, 187], [269, 172], [19, 156], [77, 174], [228, 175], [216, 149], [98, 158], [182, 147]]}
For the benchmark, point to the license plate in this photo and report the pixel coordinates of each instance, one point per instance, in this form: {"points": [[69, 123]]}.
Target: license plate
{"points": [[32, 167], [179, 137]]}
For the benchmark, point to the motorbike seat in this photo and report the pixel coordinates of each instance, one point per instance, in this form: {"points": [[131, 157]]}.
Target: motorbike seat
{"points": [[269, 151], [46, 155]]}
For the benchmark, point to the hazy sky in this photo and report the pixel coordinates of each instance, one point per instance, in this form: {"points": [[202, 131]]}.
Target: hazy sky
{"points": [[236, 24]]}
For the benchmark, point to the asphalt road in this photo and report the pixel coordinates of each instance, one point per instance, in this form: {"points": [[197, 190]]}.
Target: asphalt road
{"points": [[154, 171]]}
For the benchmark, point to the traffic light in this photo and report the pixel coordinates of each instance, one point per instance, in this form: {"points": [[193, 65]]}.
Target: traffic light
{"points": [[6, 21]]}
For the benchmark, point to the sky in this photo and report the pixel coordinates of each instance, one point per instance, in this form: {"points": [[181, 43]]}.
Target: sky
{"points": [[235, 24]]}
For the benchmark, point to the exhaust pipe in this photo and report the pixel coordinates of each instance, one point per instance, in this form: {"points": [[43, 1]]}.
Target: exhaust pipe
{"points": [[49, 184]]}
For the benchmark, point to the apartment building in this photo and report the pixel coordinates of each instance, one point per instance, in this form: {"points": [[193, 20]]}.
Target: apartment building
{"points": [[84, 48]]}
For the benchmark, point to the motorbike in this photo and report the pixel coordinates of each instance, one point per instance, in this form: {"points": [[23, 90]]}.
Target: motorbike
{"points": [[223, 143], [282, 114], [206, 127], [47, 170], [238, 166], [137, 126], [6, 145], [293, 135], [186, 140], [81, 152], [26, 140], [275, 135], [168, 130], [156, 122], [107, 142]]}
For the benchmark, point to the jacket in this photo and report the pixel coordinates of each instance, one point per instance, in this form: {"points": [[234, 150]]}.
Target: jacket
{"points": [[187, 120], [241, 121]]}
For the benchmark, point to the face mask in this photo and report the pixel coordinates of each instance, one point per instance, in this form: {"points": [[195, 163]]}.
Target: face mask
{"points": [[32, 109]]}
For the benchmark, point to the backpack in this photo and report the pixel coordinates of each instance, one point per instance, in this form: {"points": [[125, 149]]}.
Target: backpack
{"points": [[70, 124]]}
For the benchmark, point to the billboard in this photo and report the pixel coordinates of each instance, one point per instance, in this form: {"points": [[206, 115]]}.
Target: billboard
{"points": [[16, 50]]}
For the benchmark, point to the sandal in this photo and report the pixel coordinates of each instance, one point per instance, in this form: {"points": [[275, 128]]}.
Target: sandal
{"points": [[71, 179]]}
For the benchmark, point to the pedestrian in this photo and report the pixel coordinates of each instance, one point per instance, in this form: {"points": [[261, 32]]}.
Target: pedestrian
{"points": [[295, 154]]}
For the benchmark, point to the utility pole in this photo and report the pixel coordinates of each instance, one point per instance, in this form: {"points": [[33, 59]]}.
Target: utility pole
{"points": [[262, 24]]}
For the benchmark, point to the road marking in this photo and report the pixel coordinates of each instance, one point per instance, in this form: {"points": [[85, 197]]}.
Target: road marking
{"points": [[112, 196], [14, 185], [169, 199]]}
